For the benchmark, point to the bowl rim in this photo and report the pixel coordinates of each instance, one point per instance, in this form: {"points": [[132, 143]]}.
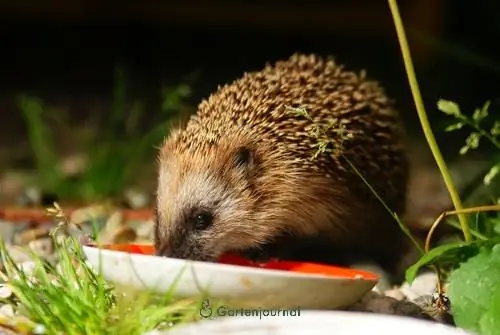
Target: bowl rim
{"points": [[358, 274]]}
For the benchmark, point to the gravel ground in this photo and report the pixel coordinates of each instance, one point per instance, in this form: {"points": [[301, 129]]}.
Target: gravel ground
{"points": [[414, 301]]}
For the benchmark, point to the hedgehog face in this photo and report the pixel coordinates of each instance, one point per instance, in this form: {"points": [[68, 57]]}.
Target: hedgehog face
{"points": [[206, 202]]}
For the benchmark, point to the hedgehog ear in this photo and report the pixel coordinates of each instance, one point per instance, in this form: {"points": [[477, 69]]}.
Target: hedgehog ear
{"points": [[244, 158]]}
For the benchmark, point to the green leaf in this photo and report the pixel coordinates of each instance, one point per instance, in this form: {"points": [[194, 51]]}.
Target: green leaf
{"points": [[449, 107], [471, 142], [490, 321], [447, 254], [473, 292], [454, 126], [495, 130], [463, 150], [491, 174], [480, 114]]}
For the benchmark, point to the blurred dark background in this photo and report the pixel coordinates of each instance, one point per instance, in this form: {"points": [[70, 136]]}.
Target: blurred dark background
{"points": [[65, 52]]}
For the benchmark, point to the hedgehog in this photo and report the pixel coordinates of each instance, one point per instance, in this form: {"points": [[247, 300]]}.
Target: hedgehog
{"points": [[289, 163]]}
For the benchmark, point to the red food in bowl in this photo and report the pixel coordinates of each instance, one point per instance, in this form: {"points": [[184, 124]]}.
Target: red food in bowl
{"points": [[143, 249], [232, 259], [301, 267]]}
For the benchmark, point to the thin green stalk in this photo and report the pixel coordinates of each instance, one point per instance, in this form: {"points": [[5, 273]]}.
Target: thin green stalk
{"points": [[431, 140], [393, 214], [483, 132]]}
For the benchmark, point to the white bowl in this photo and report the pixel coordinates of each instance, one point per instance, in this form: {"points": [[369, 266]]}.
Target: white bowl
{"points": [[236, 285], [315, 322]]}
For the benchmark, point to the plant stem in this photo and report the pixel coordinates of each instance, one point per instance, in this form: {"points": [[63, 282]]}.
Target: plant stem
{"points": [[481, 131], [431, 140], [393, 214]]}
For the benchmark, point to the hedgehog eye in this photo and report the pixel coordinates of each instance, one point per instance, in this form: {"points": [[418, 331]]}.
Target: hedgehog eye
{"points": [[202, 220], [244, 157]]}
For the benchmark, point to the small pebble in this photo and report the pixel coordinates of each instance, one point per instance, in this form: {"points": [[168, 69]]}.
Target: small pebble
{"points": [[423, 285], [20, 323], [13, 185], [91, 214], [7, 310], [5, 292], [377, 303], [154, 332], [85, 239], [43, 247], [113, 222], [73, 165], [7, 231], [17, 254], [395, 293], [146, 230], [116, 231], [39, 329], [124, 235], [28, 267], [30, 197], [136, 199], [6, 331], [26, 236]]}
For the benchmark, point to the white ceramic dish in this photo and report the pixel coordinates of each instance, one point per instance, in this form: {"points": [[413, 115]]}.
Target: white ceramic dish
{"points": [[235, 284], [315, 322]]}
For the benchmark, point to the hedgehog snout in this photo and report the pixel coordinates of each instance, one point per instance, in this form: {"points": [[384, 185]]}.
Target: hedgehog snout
{"points": [[166, 250], [184, 249]]}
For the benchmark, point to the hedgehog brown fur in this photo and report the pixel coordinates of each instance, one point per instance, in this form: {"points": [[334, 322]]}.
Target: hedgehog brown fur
{"points": [[241, 175]]}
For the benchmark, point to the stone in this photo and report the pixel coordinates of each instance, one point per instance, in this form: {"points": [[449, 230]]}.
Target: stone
{"points": [[39, 329], [18, 254], [89, 215], [30, 197], [85, 239], [145, 230], [73, 165], [113, 223], [6, 331], [28, 267], [6, 231], [377, 303], [136, 199], [43, 247], [424, 284], [32, 234], [116, 231], [395, 293], [17, 323], [7, 310], [439, 312], [5, 292], [13, 184], [123, 235]]}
